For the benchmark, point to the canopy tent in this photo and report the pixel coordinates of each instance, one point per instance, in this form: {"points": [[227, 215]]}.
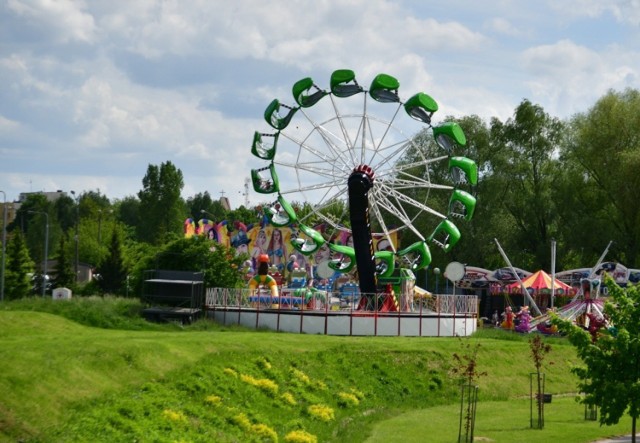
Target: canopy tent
{"points": [[540, 283]]}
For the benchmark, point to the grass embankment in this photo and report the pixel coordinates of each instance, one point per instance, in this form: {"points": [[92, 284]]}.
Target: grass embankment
{"points": [[65, 381]]}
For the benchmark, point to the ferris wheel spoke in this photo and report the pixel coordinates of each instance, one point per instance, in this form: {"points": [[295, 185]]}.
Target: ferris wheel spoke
{"points": [[417, 164], [414, 182], [325, 203], [401, 215], [383, 225], [317, 168], [314, 168], [328, 135], [389, 158], [400, 197], [317, 152], [404, 179], [343, 128], [377, 147], [394, 206], [318, 186], [318, 216]]}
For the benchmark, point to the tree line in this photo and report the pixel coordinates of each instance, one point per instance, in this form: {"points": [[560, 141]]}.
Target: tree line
{"points": [[540, 178]]}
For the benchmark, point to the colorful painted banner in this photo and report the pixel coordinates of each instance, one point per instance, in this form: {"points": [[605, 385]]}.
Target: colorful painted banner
{"points": [[275, 242]]}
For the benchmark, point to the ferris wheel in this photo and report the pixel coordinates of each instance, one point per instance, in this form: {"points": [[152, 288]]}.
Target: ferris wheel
{"points": [[347, 158]]}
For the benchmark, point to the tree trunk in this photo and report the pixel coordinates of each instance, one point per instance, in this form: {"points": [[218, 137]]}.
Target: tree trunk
{"points": [[540, 402], [633, 429]]}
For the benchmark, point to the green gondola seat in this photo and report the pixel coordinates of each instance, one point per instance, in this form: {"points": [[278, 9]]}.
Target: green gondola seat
{"points": [[446, 235], [281, 213], [460, 167], [417, 255], [462, 204], [421, 107], [385, 263], [344, 84], [309, 245], [263, 184], [448, 135], [384, 89], [263, 150], [275, 119], [347, 259], [301, 93]]}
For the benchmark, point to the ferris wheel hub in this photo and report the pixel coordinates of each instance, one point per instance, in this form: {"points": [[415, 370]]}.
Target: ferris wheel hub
{"points": [[367, 170]]}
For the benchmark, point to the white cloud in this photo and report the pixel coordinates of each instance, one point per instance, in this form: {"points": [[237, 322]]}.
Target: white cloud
{"points": [[572, 77], [627, 11], [8, 124], [500, 25], [65, 19], [162, 81], [559, 59]]}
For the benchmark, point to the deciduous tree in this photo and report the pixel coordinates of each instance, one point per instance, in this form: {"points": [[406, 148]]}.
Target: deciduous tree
{"points": [[603, 152], [526, 173], [610, 377], [162, 211]]}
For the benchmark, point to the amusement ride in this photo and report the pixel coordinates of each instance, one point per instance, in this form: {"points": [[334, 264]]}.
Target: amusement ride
{"points": [[345, 160]]}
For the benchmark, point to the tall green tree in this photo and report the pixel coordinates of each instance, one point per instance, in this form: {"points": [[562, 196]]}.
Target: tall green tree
{"points": [[203, 201], [610, 377], [112, 270], [161, 208], [600, 194], [64, 274], [65, 210], [18, 267], [525, 176], [127, 211]]}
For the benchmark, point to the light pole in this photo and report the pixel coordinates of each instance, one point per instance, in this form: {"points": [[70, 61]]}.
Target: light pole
{"points": [[46, 250], [436, 271], [205, 212], [76, 236], [4, 242]]}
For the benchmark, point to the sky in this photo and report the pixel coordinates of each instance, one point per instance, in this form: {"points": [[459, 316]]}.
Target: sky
{"points": [[93, 92]]}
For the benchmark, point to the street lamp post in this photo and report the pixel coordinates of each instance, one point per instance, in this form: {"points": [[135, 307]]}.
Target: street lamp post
{"points": [[46, 250], [205, 212], [436, 271], [4, 242], [76, 236]]}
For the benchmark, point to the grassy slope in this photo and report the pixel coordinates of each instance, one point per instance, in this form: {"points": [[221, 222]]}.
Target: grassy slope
{"points": [[498, 421], [61, 381]]}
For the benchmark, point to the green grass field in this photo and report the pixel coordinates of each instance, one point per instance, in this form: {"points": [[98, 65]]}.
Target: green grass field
{"points": [[91, 370]]}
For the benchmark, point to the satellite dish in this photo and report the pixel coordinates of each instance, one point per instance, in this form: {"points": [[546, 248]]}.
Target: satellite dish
{"points": [[454, 271], [323, 270]]}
